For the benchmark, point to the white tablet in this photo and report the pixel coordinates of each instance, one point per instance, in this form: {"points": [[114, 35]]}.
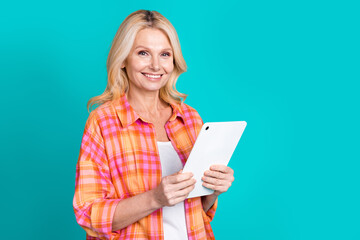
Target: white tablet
{"points": [[215, 144]]}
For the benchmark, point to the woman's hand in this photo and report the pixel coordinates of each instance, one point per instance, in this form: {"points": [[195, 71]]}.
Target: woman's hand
{"points": [[219, 178], [174, 188]]}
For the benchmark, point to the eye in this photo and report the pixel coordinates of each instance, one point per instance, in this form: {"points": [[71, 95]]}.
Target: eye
{"points": [[166, 54], [142, 53]]}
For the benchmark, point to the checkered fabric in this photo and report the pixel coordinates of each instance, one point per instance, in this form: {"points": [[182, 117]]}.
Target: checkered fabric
{"points": [[119, 158]]}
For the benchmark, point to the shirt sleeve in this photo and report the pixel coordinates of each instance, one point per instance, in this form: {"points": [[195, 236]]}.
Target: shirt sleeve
{"points": [[209, 215], [94, 200]]}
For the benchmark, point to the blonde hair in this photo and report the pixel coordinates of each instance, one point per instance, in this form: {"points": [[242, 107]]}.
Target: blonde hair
{"points": [[118, 82]]}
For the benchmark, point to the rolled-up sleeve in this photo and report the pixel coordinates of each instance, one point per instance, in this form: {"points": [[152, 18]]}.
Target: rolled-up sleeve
{"points": [[94, 200], [209, 215]]}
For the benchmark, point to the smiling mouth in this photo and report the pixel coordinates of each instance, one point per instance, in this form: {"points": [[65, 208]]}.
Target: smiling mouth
{"points": [[154, 76]]}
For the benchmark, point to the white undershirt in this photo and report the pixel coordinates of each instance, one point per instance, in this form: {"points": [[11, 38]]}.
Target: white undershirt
{"points": [[173, 217]]}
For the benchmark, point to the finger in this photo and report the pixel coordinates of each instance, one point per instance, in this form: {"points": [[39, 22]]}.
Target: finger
{"points": [[181, 195], [175, 201], [215, 174], [214, 181], [184, 192], [184, 184], [214, 187], [181, 171], [173, 187], [178, 177], [220, 168]]}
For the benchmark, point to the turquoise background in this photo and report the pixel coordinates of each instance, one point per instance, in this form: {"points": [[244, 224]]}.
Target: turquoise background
{"points": [[288, 68]]}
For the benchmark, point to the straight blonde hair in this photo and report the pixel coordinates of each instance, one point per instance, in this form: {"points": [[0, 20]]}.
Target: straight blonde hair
{"points": [[117, 79]]}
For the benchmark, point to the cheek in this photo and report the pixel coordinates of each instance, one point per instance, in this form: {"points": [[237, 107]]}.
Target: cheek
{"points": [[169, 67], [141, 64], [136, 65]]}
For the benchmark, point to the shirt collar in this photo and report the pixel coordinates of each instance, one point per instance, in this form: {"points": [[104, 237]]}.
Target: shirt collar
{"points": [[128, 116]]}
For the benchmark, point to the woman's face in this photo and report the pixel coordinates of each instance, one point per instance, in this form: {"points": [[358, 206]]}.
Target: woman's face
{"points": [[150, 61]]}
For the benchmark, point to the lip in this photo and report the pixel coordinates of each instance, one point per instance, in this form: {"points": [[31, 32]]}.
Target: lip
{"points": [[150, 78]]}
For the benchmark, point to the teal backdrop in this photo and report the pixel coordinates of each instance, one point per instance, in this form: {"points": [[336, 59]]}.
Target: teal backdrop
{"points": [[288, 68]]}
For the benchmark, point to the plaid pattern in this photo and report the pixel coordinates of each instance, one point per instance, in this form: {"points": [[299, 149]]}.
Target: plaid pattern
{"points": [[119, 158]]}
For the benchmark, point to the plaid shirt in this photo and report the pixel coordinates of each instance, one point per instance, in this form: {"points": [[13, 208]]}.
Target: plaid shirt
{"points": [[119, 158]]}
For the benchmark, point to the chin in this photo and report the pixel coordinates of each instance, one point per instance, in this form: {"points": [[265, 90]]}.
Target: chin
{"points": [[154, 86]]}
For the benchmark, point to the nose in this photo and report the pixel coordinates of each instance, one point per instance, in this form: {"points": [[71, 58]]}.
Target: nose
{"points": [[155, 65]]}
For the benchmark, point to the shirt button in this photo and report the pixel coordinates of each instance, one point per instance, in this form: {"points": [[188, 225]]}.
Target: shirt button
{"points": [[192, 228], [178, 146], [189, 200]]}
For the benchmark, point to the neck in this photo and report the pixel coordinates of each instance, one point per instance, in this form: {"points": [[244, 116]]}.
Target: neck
{"points": [[146, 102]]}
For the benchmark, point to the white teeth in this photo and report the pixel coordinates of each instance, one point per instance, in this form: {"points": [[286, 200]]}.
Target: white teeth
{"points": [[152, 76]]}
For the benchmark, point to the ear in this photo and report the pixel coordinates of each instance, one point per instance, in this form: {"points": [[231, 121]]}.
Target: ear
{"points": [[123, 64]]}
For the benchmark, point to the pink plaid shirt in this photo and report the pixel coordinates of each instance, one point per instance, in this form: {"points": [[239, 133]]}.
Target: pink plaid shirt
{"points": [[119, 158]]}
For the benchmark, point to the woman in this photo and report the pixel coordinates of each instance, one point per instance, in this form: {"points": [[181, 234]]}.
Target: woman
{"points": [[129, 183]]}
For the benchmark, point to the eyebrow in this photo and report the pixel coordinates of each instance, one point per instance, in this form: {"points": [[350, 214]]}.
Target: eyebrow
{"points": [[165, 49]]}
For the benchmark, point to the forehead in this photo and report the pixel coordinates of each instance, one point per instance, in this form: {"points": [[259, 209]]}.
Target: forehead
{"points": [[152, 38]]}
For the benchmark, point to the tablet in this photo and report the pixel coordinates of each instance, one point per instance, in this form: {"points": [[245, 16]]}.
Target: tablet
{"points": [[215, 144]]}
